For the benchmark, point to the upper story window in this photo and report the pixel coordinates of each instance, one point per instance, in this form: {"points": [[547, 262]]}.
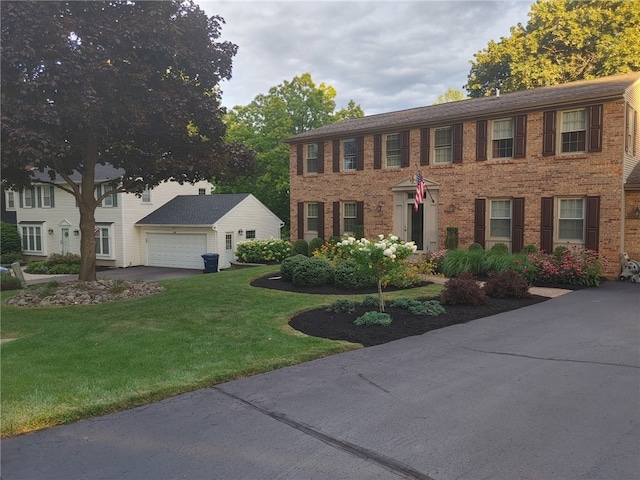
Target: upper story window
{"points": [[202, 191], [47, 196], [311, 154], [11, 201], [502, 138], [146, 196], [312, 217], [630, 131], [442, 145], [349, 154], [110, 200], [392, 150], [29, 198], [573, 131]]}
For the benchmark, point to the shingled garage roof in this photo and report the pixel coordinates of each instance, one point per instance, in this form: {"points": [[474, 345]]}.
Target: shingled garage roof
{"points": [[192, 210], [575, 93]]}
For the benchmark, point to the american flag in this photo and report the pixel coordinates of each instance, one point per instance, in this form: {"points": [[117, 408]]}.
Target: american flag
{"points": [[419, 197]]}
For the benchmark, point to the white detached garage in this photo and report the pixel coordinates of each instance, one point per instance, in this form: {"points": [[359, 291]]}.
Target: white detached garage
{"points": [[179, 232]]}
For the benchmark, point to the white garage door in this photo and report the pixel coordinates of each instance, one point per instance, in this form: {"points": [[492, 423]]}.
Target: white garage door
{"points": [[177, 250]]}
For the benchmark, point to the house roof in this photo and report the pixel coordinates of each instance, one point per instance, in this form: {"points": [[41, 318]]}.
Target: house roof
{"points": [[194, 209], [574, 93], [104, 173]]}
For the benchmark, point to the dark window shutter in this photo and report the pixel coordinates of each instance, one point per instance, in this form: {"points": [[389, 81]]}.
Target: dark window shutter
{"points": [[360, 213], [479, 221], [321, 220], [520, 137], [300, 220], [39, 196], [320, 157], [336, 155], [51, 194], [336, 219], [425, 138], [359, 153], [517, 225], [404, 148], [377, 151], [114, 200], [21, 196], [546, 224], [592, 230], [457, 143], [595, 128], [481, 140], [300, 159], [549, 133]]}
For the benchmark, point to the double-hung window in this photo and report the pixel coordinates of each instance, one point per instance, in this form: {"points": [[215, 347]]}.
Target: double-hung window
{"points": [[11, 202], [571, 220], [443, 145], [29, 198], [109, 200], [573, 131], [349, 216], [312, 158], [502, 138], [349, 153], [47, 196], [146, 196], [32, 239], [500, 219], [392, 150], [630, 131], [103, 240], [312, 217]]}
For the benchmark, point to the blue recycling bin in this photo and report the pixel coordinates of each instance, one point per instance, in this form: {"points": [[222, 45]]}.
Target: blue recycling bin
{"points": [[210, 262]]}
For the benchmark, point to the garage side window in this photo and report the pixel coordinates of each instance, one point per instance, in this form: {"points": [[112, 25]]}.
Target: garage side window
{"points": [[103, 237]]}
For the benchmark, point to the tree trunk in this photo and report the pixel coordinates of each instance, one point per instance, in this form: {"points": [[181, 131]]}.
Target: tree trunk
{"points": [[87, 205], [380, 298]]}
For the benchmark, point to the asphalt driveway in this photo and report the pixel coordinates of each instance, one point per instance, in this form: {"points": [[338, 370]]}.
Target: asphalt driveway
{"points": [[551, 391]]}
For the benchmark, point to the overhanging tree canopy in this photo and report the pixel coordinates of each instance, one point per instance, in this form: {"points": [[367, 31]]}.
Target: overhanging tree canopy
{"points": [[131, 83]]}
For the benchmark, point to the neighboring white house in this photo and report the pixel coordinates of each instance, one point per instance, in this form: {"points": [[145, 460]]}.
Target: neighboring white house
{"points": [[48, 220], [177, 233]]}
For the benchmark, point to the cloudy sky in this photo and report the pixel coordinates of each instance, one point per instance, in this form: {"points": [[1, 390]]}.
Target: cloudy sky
{"points": [[385, 55]]}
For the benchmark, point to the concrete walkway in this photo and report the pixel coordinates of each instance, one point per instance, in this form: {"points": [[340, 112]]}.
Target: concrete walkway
{"points": [[550, 391]]}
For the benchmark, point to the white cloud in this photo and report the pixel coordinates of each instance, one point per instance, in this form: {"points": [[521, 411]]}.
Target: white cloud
{"points": [[384, 55]]}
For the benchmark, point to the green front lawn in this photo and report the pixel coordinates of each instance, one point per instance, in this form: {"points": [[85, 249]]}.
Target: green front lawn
{"points": [[69, 363]]}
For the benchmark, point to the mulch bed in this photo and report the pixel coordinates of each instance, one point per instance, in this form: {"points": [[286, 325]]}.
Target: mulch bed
{"points": [[340, 326]]}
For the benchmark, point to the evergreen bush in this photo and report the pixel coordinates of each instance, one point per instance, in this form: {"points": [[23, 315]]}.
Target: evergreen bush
{"points": [[312, 272], [315, 244], [8, 282], [351, 276], [288, 264], [374, 318], [300, 247], [342, 306], [10, 241]]}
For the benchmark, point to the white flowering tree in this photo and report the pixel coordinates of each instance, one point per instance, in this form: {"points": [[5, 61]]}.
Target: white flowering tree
{"points": [[382, 257]]}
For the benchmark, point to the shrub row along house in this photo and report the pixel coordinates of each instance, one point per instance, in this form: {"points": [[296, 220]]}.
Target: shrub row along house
{"points": [[551, 166], [171, 225]]}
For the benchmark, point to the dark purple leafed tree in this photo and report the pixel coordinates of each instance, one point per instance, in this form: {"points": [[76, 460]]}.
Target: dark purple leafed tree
{"points": [[134, 84]]}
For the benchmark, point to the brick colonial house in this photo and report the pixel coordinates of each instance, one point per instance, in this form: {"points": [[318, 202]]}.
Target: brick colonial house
{"points": [[551, 166]]}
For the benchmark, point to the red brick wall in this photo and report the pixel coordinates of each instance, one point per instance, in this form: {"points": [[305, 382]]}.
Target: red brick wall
{"points": [[533, 177]]}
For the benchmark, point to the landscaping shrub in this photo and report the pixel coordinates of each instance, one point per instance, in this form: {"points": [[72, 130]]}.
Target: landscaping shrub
{"points": [[342, 306], [63, 259], [263, 251], [315, 244], [289, 264], [370, 301], [10, 241], [403, 277], [457, 262], [8, 282], [496, 261], [374, 318], [575, 266], [475, 247], [11, 257], [463, 290], [404, 302], [333, 240], [358, 231], [431, 308], [451, 238], [312, 272], [64, 269], [300, 247], [37, 267], [529, 249], [507, 284], [500, 248], [349, 275]]}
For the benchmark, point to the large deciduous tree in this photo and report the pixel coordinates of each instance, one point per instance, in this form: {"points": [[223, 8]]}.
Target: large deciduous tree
{"points": [[286, 110], [563, 41], [134, 84]]}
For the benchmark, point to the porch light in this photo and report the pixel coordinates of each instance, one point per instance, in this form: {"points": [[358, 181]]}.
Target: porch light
{"points": [[240, 232], [51, 231], [76, 232]]}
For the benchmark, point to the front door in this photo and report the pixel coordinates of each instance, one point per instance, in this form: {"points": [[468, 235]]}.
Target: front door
{"points": [[419, 226], [64, 240]]}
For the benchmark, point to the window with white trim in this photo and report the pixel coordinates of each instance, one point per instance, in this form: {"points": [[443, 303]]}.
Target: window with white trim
{"points": [[110, 200], [571, 220], [349, 154], [311, 153], [573, 128], [250, 234], [11, 201], [103, 235], [29, 196], [46, 194], [146, 196], [502, 138], [349, 217], [443, 145], [32, 239], [500, 219], [312, 217], [202, 191], [630, 131], [392, 150]]}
